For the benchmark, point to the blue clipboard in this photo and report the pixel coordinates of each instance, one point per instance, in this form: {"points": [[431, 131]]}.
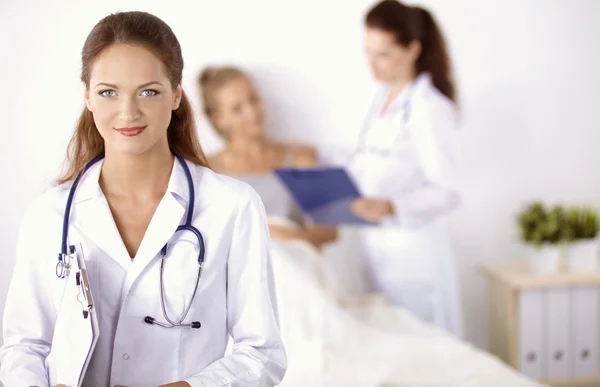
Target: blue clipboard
{"points": [[324, 194]]}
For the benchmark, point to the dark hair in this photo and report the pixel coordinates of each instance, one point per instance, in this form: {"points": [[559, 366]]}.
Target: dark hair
{"points": [[148, 31], [415, 23]]}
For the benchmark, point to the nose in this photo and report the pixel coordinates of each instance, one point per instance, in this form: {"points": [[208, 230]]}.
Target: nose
{"points": [[129, 110]]}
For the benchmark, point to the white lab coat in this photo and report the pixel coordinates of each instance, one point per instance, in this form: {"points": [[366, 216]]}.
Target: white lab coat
{"points": [[235, 294], [406, 155]]}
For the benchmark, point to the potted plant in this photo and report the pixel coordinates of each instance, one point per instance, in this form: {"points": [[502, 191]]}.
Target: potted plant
{"points": [[541, 229], [581, 233]]}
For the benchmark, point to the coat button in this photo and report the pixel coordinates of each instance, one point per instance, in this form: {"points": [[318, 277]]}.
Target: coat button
{"points": [[125, 356]]}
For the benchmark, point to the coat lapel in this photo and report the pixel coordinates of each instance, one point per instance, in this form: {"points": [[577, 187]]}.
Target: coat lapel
{"points": [[164, 223], [91, 214], [96, 222], [168, 216]]}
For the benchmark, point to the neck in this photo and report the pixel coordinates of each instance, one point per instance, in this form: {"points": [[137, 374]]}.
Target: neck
{"points": [[399, 84], [254, 146], [141, 176]]}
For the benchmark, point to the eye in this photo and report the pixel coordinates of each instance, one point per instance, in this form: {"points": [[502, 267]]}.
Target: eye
{"points": [[149, 93], [107, 93]]}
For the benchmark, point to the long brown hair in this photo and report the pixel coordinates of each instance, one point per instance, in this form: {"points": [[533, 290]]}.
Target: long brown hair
{"points": [[150, 32], [415, 23]]}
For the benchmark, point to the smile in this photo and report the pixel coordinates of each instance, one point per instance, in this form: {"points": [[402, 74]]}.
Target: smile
{"points": [[131, 132]]}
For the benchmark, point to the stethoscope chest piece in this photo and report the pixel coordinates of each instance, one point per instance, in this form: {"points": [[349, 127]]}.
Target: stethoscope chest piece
{"points": [[63, 266]]}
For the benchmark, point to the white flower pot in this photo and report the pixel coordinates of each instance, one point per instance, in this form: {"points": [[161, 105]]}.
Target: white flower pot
{"points": [[582, 255], [544, 259]]}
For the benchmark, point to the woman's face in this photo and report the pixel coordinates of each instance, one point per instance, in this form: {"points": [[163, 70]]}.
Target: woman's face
{"points": [[239, 109], [389, 60], [131, 98]]}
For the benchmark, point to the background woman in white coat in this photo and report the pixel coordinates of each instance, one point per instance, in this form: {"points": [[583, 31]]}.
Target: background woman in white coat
{"points": [[126, 207], [403, 165]]}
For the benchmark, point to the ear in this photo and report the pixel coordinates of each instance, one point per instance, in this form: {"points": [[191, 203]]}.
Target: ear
{"points": [[415, 48], [177, 97], [86, 97]]}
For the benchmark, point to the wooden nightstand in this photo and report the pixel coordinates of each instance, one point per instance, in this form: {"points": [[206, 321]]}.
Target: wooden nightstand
{"points": [[546, 326]]}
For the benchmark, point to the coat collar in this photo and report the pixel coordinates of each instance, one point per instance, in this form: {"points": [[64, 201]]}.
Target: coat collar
{"points": [[89, 185], [92, 216], [422, 82]]}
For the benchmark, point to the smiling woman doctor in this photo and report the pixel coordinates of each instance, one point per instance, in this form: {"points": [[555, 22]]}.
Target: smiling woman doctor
{"points": [[125, 211], [403, 165]]}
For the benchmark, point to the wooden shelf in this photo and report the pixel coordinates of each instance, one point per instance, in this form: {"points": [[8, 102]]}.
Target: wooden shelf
{"points": [[513, 310], [581, 382], [518, 275]]}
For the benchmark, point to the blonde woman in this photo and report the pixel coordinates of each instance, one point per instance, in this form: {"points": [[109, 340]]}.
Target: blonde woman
{"points": [[235, 109]]}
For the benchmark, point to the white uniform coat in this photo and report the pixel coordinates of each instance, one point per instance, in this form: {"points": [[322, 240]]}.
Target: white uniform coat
{"points": [[405, 154], [235, 294]]}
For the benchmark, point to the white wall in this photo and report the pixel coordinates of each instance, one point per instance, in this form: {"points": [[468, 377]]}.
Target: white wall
{"points": [[527, 79]]}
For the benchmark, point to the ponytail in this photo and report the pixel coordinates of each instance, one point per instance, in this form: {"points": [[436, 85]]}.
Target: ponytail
{"points": [[409, 24], [434, 56]]}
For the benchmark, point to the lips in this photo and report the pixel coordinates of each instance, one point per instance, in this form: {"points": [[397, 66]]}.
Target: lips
{"points": [[132, 131]]}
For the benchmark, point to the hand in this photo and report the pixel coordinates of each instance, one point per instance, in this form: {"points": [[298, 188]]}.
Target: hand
{"points": [[320, 235], [372, 210], [315, 235], [283, 233]]}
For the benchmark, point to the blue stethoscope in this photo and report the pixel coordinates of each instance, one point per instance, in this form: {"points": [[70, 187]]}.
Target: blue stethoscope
{"points": [[63, 265]]}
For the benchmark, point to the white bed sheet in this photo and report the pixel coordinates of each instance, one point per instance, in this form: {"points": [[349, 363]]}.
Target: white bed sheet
{"points": [[334, 338]]}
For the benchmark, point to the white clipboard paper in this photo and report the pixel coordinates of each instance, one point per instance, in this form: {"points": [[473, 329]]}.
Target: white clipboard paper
{"points": [[76, 330]]}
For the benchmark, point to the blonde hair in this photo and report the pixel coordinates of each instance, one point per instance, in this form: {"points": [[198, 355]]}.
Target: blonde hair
{"points": [[210, 81], [150, 32]]}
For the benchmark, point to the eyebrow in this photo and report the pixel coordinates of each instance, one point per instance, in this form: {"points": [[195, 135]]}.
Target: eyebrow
{"points": [[116, 87]]}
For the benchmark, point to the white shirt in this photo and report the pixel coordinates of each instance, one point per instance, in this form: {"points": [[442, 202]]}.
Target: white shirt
{"points": [[235, 294]]}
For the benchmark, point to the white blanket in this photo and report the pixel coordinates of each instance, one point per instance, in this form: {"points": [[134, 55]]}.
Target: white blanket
{"points": [[334, 341]]}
